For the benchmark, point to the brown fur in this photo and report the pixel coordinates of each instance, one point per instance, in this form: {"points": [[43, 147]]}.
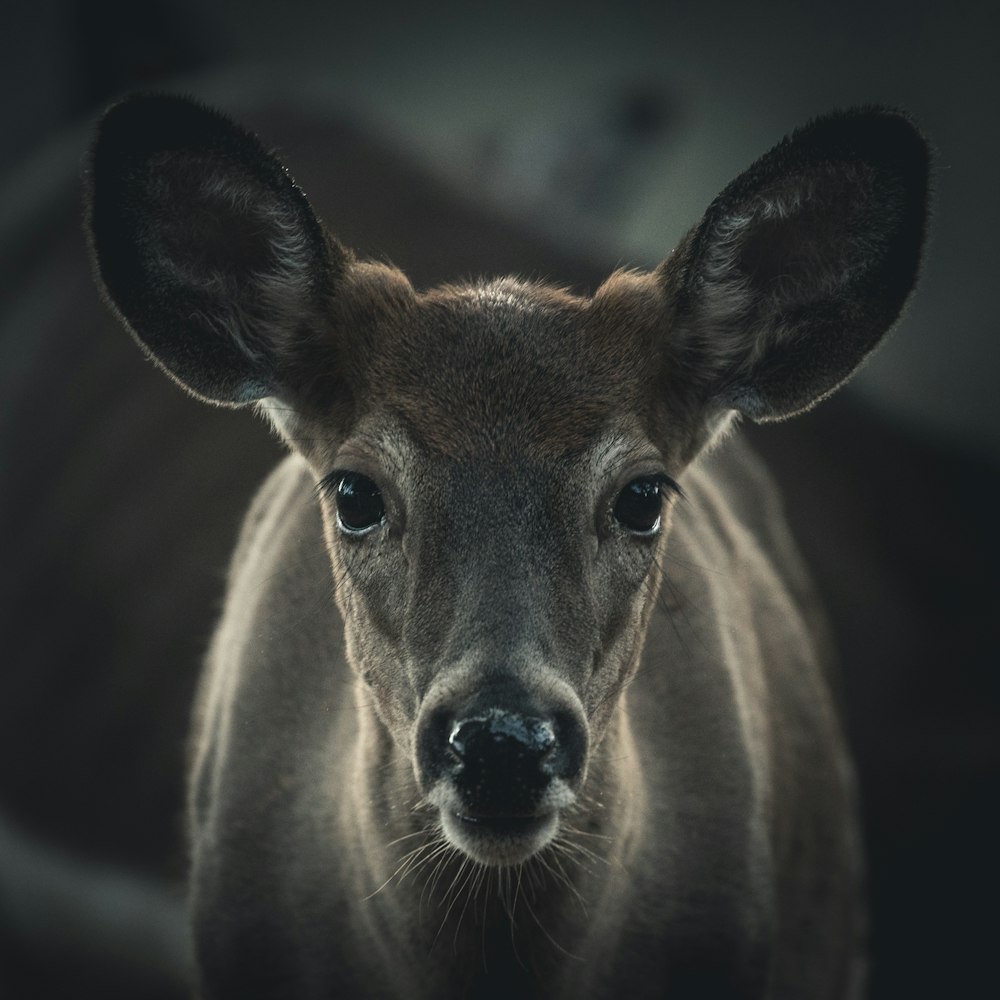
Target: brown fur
{"points": [[529, 738]]}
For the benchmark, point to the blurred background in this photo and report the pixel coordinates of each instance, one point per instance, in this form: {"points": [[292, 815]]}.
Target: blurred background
{"points": [[547, 139]]}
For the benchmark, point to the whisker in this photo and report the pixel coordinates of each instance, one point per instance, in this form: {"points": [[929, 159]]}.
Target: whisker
{"points": [[409, 836], [454, 891], [552, 862], [470, 892], [404, 864], [445, 854], [555, 944]]}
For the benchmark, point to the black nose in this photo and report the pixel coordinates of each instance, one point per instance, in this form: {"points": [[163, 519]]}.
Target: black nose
{"points": [[503, 761], [498, 732]]}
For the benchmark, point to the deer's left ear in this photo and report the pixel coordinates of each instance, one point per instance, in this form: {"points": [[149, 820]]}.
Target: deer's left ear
{"points": [[801, 265], [205, 247]]}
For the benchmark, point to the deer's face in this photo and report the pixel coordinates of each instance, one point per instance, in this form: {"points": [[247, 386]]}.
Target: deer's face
{"points": [[495, 462], [495, 506]]}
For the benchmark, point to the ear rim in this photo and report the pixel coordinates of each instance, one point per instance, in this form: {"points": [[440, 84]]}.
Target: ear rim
{"points": [[130, 132], [882, 137]]}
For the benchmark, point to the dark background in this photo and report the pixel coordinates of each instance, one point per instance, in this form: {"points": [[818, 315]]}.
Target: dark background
{"points": [[552, 140]]}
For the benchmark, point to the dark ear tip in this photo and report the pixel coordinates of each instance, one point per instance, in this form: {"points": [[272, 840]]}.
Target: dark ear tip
{"points": [[135, 108], [143, 124], [137, 128], [860, 119], [883, 136]]}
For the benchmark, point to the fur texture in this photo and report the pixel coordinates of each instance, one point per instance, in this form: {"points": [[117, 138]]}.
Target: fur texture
{"points": [[506, 736]]}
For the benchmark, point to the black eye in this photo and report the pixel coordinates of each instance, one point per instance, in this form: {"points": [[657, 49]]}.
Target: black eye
{"points": [[359, 503], [638, 505]]}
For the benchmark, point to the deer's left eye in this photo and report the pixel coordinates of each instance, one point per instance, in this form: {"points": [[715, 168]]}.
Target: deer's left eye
{"points": [[359, 503], [640, 504]]}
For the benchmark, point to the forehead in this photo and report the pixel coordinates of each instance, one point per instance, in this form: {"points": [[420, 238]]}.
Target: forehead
{"points": [[506, 366]]}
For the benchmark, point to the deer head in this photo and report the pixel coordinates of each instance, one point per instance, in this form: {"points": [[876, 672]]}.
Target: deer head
{"points": [[497, 462]]}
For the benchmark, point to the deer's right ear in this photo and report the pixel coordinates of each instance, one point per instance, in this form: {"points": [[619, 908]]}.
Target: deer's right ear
{"points": [[205, 246], [802, 264]]}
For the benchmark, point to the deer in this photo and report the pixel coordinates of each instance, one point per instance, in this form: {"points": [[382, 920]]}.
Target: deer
{"points": [[521, 687]]}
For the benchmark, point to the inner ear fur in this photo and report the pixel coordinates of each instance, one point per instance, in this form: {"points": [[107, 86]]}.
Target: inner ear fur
{"points": [[205, 246], [801, 265]]}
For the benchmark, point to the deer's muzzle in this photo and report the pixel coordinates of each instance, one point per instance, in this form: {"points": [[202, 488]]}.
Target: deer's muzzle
{"points": [[500, 768]]}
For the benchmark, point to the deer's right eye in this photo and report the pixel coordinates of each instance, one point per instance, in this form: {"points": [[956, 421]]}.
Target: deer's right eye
{"points": [[359, 504]]}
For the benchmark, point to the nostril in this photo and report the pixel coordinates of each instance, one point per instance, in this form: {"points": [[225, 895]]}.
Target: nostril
{"points": [[568, 749], [461, 734]]}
